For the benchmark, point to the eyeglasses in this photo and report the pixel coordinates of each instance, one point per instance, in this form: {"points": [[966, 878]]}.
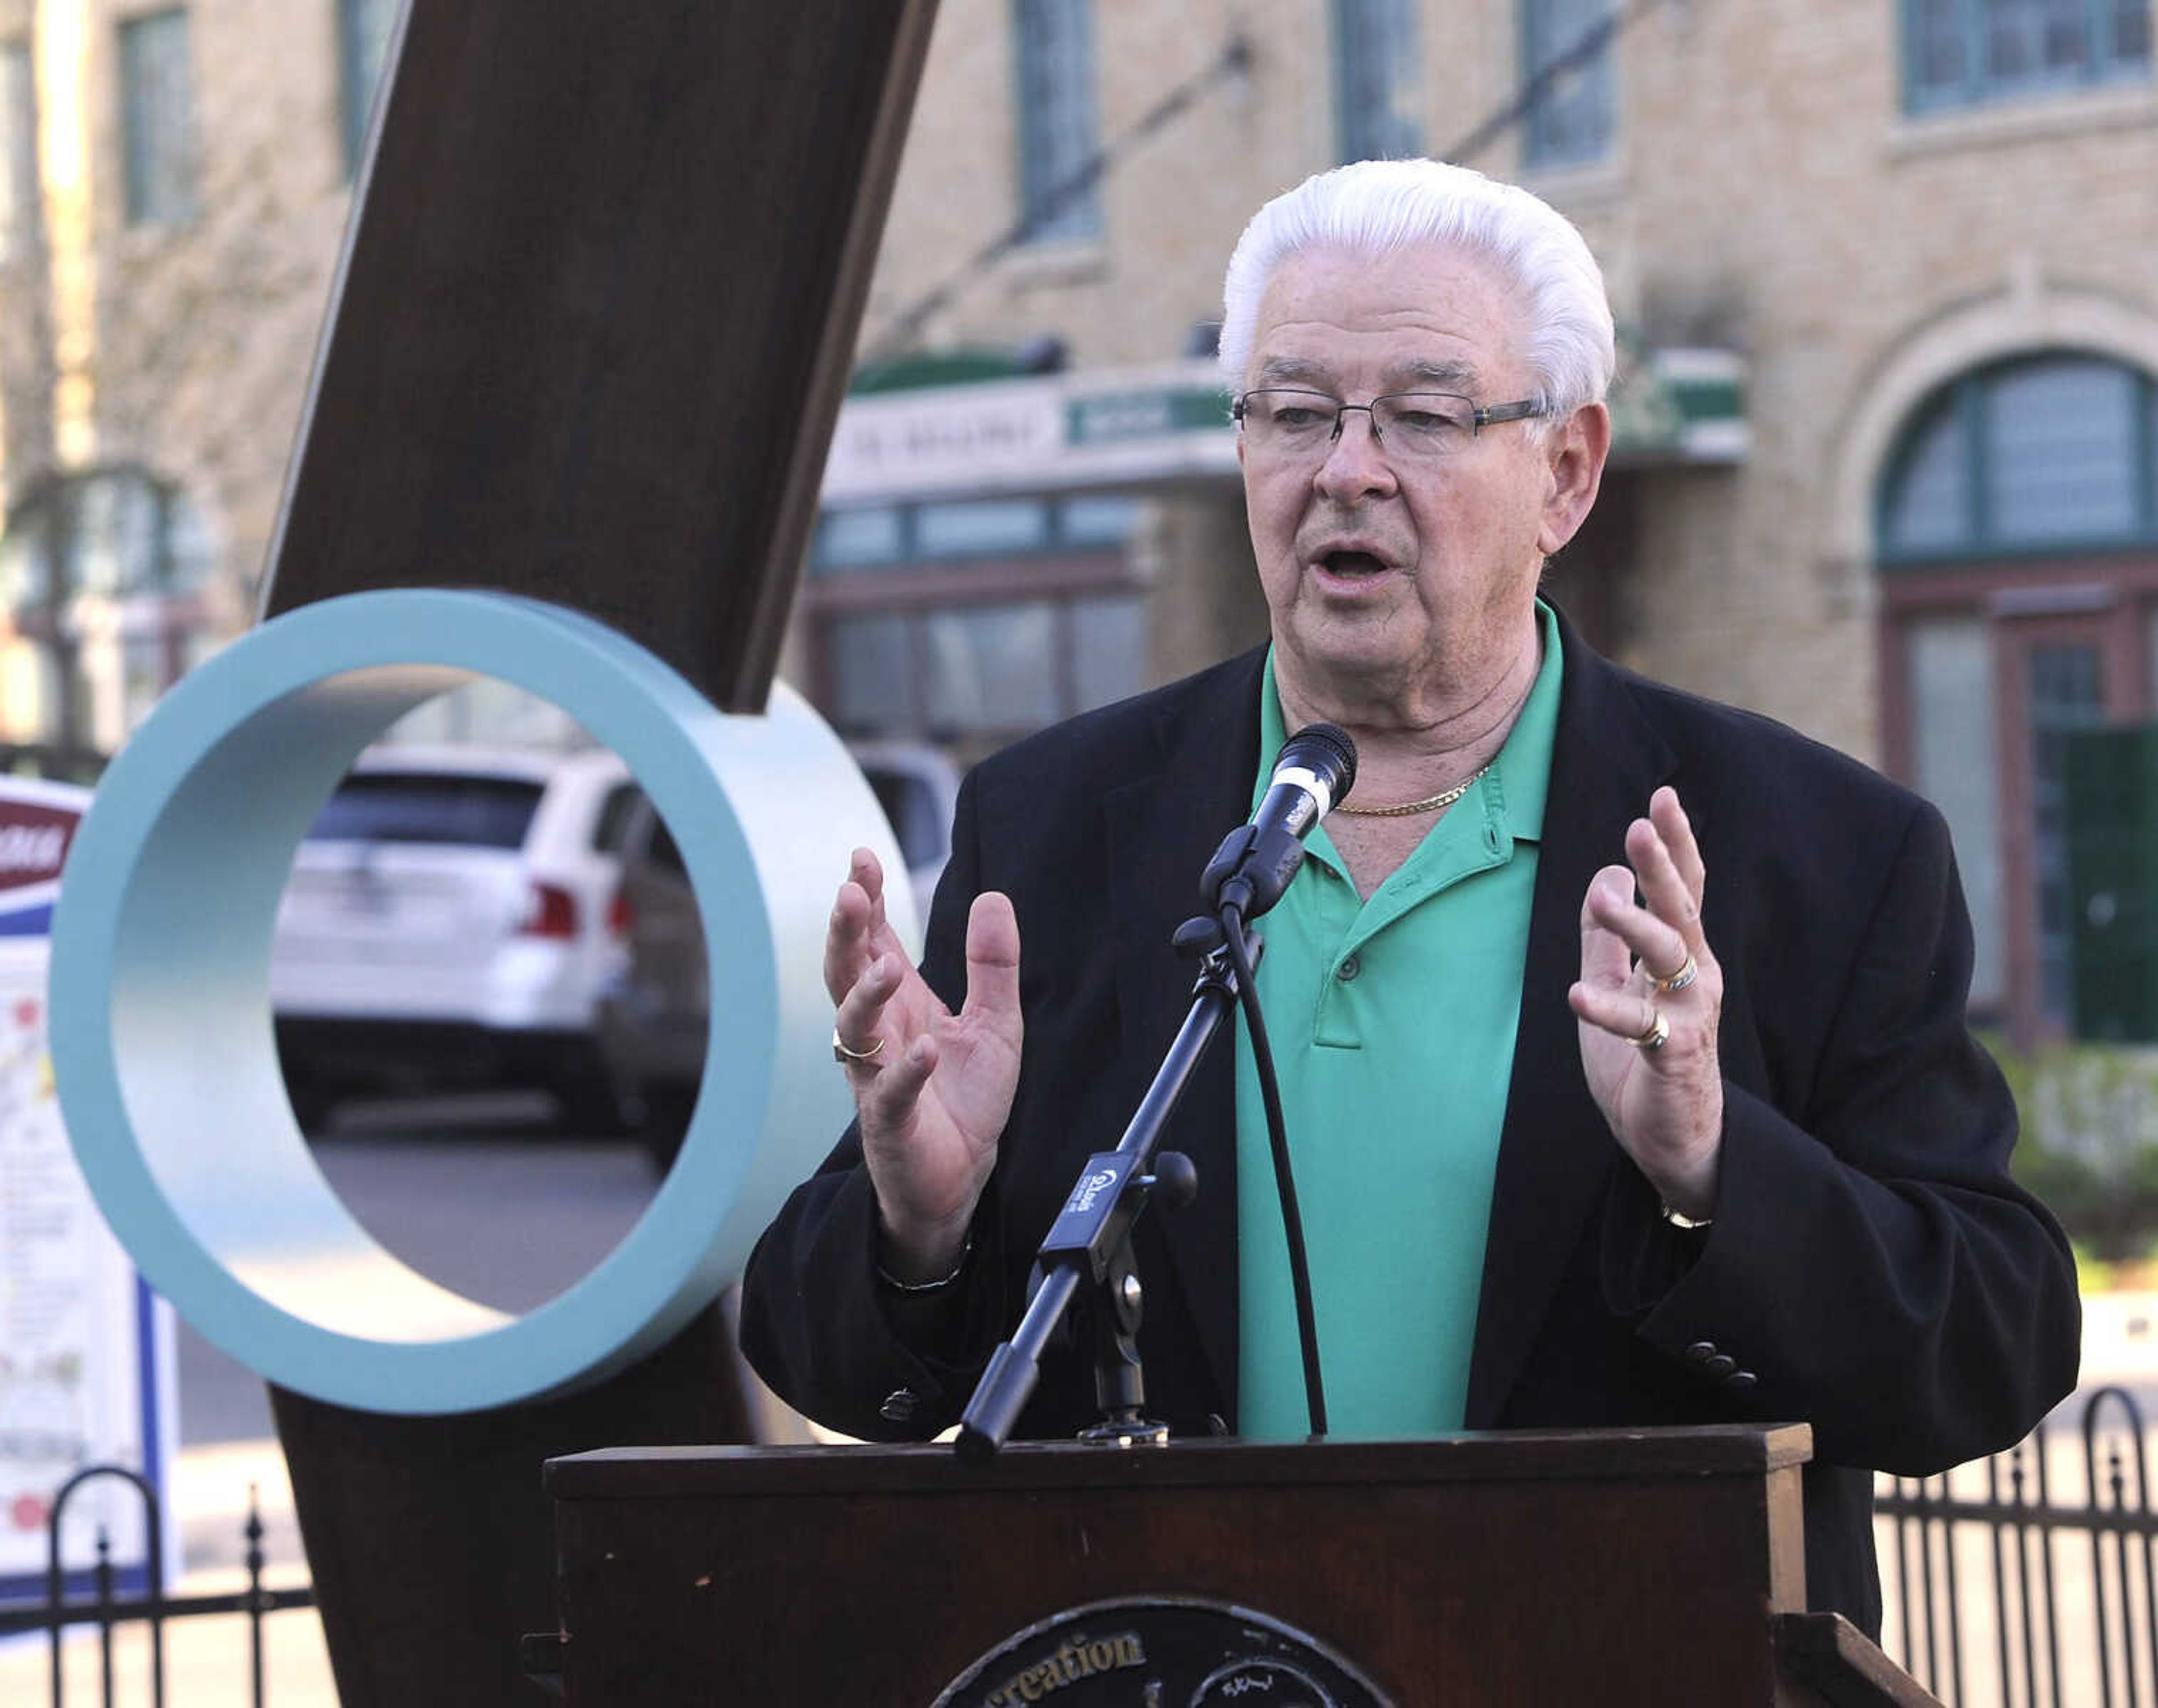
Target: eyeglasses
{"points": [[1287, 423]]}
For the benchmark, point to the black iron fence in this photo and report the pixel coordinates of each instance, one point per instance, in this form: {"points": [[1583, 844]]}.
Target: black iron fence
{"points": [[96, 1602], [2026, 1580]]}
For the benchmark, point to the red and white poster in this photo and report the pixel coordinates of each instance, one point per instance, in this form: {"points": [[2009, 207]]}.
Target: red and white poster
{"points": [[85, 1349]]}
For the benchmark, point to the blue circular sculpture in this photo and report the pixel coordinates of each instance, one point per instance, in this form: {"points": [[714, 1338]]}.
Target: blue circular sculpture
{"points": [[166, 1058]]}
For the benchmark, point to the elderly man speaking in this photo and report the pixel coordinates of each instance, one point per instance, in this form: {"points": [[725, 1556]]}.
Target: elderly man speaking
{"points": [[1620, 1034]]}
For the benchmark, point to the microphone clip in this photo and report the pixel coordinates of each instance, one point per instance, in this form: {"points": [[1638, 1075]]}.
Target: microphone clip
{"points": [[1250, 870], [1223, 866]]}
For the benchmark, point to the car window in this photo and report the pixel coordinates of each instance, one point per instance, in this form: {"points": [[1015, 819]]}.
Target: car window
{"points": [[890, 790], [614, 817], [910, 805], [664, 855], [475, 812]]}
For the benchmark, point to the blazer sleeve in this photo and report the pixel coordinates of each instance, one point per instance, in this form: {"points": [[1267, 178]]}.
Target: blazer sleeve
{"points": [[1871, 1268], [816, 1324]]}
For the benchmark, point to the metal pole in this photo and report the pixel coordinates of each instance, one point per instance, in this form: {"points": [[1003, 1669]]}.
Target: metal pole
{"points": [[104, 1580], [254, 1534]]}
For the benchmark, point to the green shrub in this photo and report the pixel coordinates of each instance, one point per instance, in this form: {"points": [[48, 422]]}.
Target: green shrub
{"points": [[2089, 1145]]}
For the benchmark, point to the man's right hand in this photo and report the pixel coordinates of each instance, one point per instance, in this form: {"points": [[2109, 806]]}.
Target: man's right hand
{"points": [[934, 1097]]}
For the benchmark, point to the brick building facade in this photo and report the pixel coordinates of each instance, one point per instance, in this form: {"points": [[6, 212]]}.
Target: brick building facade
{"points": [[1886, 271], [1887, 277]]}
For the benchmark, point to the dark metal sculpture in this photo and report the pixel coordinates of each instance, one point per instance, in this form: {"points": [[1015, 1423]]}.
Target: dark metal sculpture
{"points": [[589, 338]]}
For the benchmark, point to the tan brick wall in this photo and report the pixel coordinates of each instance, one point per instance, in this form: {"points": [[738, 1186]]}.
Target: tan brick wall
{"points": [[1765, 194], [1769, 194], [1203, 601], [26, 376], [185, 349], [206, 333]]}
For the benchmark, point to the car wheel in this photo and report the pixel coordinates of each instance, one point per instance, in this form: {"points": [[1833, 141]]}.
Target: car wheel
{"points": [[588, 1103], [313, 1101], [666, 1108]]}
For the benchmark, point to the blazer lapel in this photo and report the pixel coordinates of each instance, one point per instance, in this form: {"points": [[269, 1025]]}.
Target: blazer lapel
{"points": [[1163, 827], [1555, 1150]]}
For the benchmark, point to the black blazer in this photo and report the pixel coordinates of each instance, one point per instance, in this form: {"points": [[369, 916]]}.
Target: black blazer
{"points": [[1871, 1271]]}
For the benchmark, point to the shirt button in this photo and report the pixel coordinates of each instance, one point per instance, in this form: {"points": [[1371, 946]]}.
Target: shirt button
{"points": [[1722, 1364], [1349, 968], [1701, 1352], [1742, 1380]]}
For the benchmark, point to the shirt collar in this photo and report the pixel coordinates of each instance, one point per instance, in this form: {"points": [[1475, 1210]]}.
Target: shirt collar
{"points": [[1519, 775]]}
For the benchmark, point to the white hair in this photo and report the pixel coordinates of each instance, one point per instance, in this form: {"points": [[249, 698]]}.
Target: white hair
{"points": [[1377, 207]]}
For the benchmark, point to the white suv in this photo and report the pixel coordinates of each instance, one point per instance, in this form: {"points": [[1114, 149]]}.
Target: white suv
{"points": [[447, 922]]}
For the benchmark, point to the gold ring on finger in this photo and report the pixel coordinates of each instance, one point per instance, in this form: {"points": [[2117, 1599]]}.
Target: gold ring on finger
{"points": [[1659, 1029], [854, 1058], [1679, 980]]}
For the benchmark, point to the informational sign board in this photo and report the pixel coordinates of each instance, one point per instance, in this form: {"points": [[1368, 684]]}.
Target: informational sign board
{"points": [[86, 1348]]}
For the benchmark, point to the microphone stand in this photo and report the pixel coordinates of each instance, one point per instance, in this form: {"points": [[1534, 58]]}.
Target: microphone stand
{"points": [[1089, 1241]]}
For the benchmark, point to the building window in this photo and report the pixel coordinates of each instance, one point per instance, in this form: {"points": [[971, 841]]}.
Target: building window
{"points": [[2017, 533], [19, 205], [364, 29], [1966, 53], [852, 538], [1055, 116], [1376, 88], [981, 673], [981, 527], [1567, 54], [856, 538], [157, 118], [1950, 657], [100, 573], [971, 622], [2048, 454]]}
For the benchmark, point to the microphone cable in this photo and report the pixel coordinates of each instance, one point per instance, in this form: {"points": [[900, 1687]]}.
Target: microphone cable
{"points": [[1231, 919]]}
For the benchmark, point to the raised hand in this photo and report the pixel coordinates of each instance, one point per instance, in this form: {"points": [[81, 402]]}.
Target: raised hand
{"points": [[933, 1089], [1648, 1000]]}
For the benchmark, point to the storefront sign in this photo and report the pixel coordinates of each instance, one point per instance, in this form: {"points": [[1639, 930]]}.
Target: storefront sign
{"points": [[955, 436], [1061, 432]]}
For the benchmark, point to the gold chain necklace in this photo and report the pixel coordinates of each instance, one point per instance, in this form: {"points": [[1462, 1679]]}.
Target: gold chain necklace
{"points": [[1430, 804]]}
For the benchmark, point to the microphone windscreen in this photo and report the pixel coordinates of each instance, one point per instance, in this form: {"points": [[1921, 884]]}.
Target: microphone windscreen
{"points": [[1325, 750]]}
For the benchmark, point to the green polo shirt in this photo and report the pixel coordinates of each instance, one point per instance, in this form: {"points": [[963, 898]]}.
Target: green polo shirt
{"points": [[1392, 1018]]}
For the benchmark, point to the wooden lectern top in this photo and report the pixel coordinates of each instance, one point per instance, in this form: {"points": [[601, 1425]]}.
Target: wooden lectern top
{"points": [[1655, 1566], [1540, 1455]]}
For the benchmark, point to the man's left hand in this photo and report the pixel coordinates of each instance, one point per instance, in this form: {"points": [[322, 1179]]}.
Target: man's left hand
{"points": [[1647, 1029]]}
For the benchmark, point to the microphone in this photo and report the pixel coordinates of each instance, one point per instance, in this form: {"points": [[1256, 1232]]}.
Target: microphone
{"points": [[1253, 867]]}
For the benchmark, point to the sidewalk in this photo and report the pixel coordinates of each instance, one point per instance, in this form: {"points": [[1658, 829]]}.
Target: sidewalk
{"points": [[2120, 1338]]}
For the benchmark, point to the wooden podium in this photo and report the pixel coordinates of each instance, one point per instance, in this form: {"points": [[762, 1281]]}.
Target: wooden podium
{"points": [[1660, 1566]]}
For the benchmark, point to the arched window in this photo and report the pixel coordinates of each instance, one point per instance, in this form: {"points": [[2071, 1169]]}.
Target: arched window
{"points": [[2044, 454], [99, 571], [2017, 532]]}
